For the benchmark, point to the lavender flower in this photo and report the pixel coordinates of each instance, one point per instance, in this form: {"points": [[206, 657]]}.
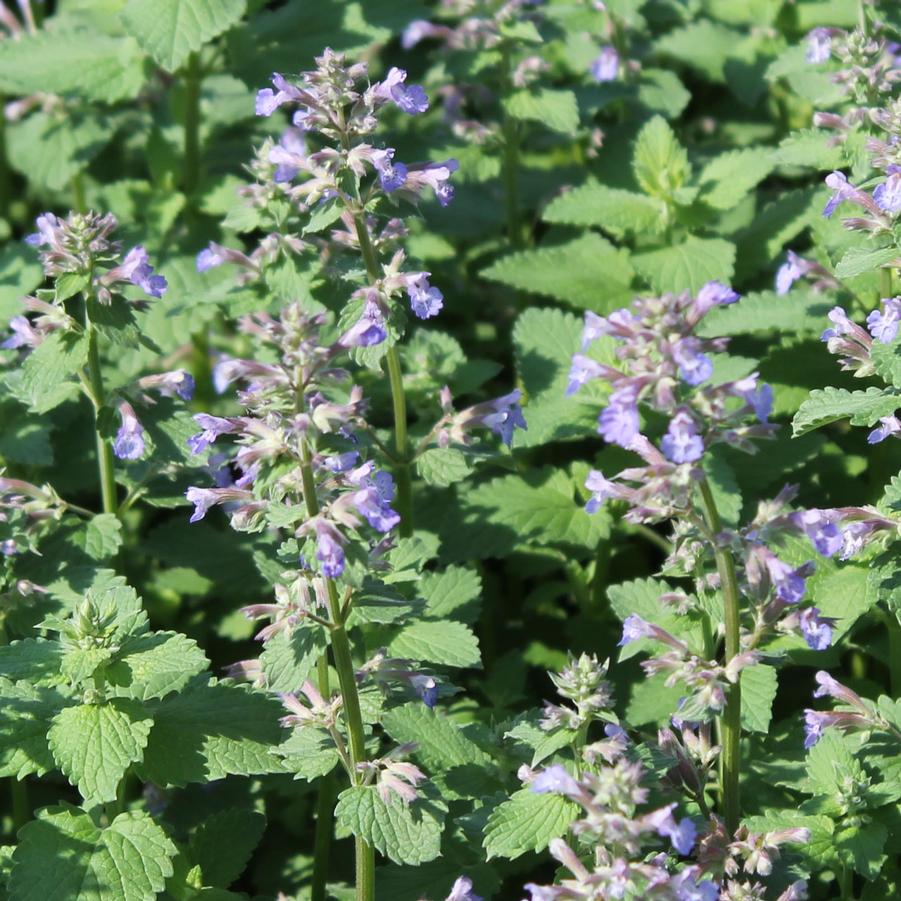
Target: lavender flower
{"points": [[819, 45], [462, 891], [129, 441], [822, 529], [888, 426], [213, 427], [411, 99], [618, 422], [391, 175], [634, 629], [681, 443], [817, 632], [694, 367], [268, 101], [883, 325], [888, 194], [425, 299], [790, 583], [137, 269], [605, 67], [555, 780], [210, 257], [793, 269], [427, 689]]}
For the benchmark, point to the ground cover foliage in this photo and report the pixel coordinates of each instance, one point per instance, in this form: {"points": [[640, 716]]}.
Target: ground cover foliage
{"points": [[448, 450]]}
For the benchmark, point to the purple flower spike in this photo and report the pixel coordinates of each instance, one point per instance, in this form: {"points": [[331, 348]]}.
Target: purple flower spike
{"points": [[817, 632], [47, 224], [888, 194], [373, 502], [368, 330], [681, 443], [329, 551], [694, 367], [213, 427], [715, 294], [883, 324], [391, 175], [268, 101], [425, 300], [411, 99], [137, 269], [605, 67], [129, 443], [823, 530], [555, 780]]}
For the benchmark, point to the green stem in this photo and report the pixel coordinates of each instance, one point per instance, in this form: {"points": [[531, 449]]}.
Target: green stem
{"points": [[192, 79], [322, 843], [885, 282], [731, 719], [341, 652], [78, 201], [398, 398], [510, 136], [894, 652], [5, 181], [105, 464], [21, 811]]}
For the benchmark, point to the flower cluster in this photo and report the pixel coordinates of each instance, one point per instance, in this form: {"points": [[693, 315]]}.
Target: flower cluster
{"points": [[660, 361], [328, 161], [297, 400]]}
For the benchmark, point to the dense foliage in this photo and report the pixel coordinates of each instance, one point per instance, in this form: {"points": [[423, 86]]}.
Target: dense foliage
{"points": [[448, 450]]}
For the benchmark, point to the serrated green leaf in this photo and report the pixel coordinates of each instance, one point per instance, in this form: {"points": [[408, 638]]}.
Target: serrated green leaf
{"points": [[35, 660], [687, 266], [62, 855], [309, 753], [703, 45], [442, 643], [153, 665], [615, 211], [45, 377], [659, 161], [405, 833], [725, 180], [588, 272], [767, 311], [808, 147], [527, 822], [832, 404], [222, 844], [169, 30], [103, 536], [887, 360], [209, 731], [452, 593], [89, 64], [555, 109], [94, 744], [858, 260], [652, 701], [443, 466], [290, 656], [26, 712], [441, 744], [758, 691]]}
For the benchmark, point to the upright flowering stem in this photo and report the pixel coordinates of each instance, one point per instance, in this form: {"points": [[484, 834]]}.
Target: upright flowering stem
{"points": [[4, 165], [104, 450], [365, 856], [398, 397], [192, 77], [731, 722], [511, 165]]}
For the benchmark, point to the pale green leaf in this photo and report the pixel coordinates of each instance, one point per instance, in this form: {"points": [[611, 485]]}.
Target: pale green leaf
{"points": [[758, 691], [659, 161], [588, 272], [94, 744], [222, 844], [405, 833], [290, 656], [527, 821], [153, 665], [858, 260], [799, 313], [832, 404], [687, 266], [555, 109], [309, 753], [103, 536], [46, 373], [169, 30], [444, 466], [615, 211], [452, 593], [26, 712], [62, 856], [725, 180], [443, 643], [887, 360]]}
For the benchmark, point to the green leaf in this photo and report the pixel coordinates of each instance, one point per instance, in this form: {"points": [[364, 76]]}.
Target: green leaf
{"points": [[443, 466], [527, 821], [309, 753], [858, 260], [831, 404], [89, 64], [452, 593], [442, 643], [62, 855], [687, 266], [26, 712], [831, 765], [94, 744], [659, 161], [588, 272], [767, 311], [887, 360], [153, 665], [405, 833], [35, 660], [543, 507], [209, 731], [544, 341], [615, 211], [862, 847], [169, 30], [44, 382], [555, 109], [441, 744], [726, 179], [808, 147], [703, 45], [49, 149], [290, 656], [103, 536], [758, 691], [652, 701], [222, 844]]}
